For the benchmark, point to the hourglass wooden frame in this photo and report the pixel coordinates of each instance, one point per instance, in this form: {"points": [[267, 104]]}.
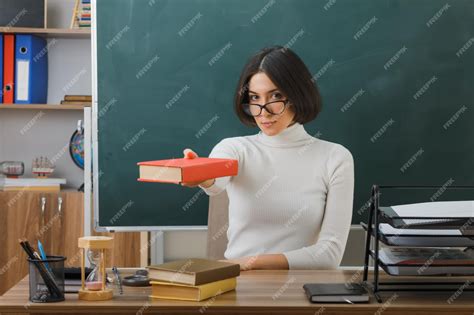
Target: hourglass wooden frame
{"points": [[100, 243]]}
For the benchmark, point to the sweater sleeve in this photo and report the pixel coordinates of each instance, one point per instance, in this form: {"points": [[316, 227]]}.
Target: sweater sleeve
{"points": [[225, 150], [328, 250]]}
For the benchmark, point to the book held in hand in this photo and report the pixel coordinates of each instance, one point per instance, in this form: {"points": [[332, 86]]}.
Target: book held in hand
{"points": [[185, 170], [193, 271], [336, 292]]}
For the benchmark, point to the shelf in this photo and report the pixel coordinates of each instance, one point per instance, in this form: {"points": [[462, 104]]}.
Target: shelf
{"points": [[49, 32], [42, 106]]}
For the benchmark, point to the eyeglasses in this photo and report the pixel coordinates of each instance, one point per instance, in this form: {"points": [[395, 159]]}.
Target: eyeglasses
{"points": [[274, 108]]}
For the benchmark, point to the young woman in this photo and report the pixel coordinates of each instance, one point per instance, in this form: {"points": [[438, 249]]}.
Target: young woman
{"points": [[290, 206]]}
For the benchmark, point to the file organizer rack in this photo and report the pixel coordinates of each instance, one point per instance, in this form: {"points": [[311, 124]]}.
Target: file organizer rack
{"points": [[376, 217]]}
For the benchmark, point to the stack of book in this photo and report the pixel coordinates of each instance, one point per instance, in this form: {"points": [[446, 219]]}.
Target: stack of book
{"points": [[77, 100], [31, 184], [192, 279], [82, 14]]}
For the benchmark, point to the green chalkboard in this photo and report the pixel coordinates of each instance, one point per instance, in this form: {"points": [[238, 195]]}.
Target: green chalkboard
{"points": [[396, 77]]}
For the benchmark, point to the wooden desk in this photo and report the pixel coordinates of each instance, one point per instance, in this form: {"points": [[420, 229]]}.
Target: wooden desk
{"points": [[261, 291]]}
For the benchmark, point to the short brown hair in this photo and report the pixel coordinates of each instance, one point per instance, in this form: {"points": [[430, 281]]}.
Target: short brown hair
{"points": [[289, 73]]}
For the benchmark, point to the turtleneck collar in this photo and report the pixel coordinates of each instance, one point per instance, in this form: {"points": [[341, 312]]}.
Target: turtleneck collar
{"points": [[292, 136]]}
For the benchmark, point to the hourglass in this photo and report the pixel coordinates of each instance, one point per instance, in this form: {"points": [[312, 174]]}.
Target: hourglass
{"points": [[94, 287]]}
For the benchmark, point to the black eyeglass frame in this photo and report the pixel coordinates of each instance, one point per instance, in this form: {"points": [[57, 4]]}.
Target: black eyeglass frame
{"points": [[246, 107]]}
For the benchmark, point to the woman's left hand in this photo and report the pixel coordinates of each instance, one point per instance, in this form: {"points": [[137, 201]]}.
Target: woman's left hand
{"points": [[246, 263]]}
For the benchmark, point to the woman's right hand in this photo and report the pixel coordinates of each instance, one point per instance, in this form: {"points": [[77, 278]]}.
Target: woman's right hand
{"points": [[190, 154]]}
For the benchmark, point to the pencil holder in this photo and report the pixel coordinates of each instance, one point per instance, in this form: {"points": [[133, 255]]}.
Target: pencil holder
{"points": [[47, 279]]}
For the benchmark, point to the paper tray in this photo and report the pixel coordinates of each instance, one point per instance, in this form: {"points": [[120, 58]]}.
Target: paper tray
{"points": [[429, 271], [427, 241], [397, 269], [390, 216], [424, 238]]}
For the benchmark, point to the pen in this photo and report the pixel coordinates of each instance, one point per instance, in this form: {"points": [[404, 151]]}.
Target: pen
{"points": [[42, 253]]}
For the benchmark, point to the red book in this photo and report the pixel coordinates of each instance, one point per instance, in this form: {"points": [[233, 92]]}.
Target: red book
{"points": [[8, 68], [185, 170]]}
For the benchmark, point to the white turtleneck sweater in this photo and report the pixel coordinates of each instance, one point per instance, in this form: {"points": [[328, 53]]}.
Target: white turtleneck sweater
{"points": [[293, 196]]}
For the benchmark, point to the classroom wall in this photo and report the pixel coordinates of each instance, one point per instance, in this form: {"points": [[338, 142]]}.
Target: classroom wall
{"points": [[70, 73]]}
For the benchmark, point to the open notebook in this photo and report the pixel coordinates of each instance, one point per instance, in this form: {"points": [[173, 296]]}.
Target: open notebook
{"points": [[454, 210]]}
